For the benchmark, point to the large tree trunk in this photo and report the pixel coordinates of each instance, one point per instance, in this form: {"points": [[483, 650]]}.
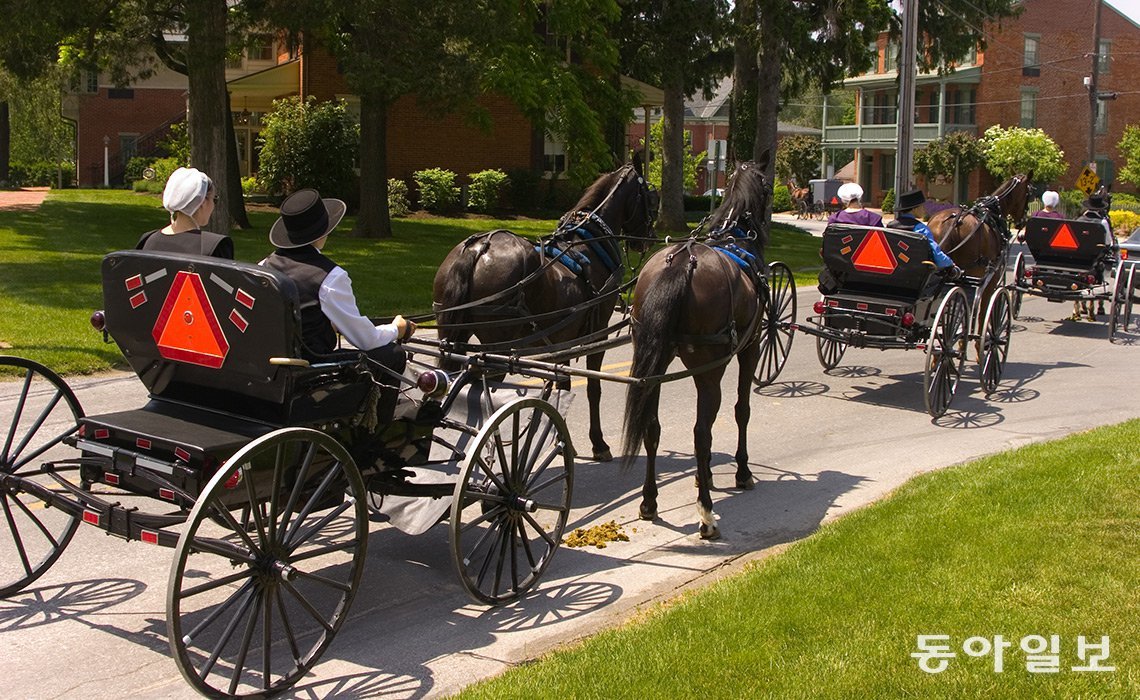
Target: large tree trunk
{"points": [[745, 75], [233, 172], [5, 143], [206, 72], [672, 216], [768, 88], [372, 219]]}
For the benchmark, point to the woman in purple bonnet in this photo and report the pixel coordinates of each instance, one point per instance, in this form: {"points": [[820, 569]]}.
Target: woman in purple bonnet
{"points": [[851, 195]]}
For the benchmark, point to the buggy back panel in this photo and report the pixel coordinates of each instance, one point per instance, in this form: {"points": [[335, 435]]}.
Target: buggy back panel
{"points": [[877, 261], [1077, 243], [202, 330]]}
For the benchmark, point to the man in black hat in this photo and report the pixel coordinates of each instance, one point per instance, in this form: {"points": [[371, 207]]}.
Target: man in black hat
{"points": [[1096, 209], [906, 220], [325, 290]]}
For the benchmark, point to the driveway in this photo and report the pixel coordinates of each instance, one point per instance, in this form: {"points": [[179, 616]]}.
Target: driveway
{"points": [[25, 199]]}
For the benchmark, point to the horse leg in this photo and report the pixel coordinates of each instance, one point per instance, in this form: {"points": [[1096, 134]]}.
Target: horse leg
{"points": [[594, 396], [748, 358], [648, 508], [708, 404]]}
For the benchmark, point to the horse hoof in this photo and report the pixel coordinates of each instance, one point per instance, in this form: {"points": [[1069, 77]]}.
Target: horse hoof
{"points": [[604, 456], [709, 532], [745, 484], [646, 513]]}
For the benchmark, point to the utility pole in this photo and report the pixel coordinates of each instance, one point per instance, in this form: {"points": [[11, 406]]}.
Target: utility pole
{"points": [[1093, 94], [904, 156]]}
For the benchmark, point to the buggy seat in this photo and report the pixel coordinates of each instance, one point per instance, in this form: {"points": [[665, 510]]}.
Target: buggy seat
{"points": [[1064, 244], [878, 262], [215, 343]]}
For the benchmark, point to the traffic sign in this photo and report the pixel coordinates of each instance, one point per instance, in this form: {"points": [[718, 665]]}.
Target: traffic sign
{"points": [[1087, 181]]}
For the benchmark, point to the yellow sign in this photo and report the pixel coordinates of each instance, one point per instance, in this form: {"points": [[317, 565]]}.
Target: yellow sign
{"points": [[1087, 181]]}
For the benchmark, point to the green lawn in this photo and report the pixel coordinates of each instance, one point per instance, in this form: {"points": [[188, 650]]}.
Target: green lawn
{"points": [[1044, 540], [49, 266]]}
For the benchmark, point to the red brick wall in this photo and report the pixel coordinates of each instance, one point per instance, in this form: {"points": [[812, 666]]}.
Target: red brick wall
{"points": [[101, 116]]}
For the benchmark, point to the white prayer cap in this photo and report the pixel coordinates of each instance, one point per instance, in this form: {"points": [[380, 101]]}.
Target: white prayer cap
{"points": [[848, 191], [185, 191], [1050, 198]]}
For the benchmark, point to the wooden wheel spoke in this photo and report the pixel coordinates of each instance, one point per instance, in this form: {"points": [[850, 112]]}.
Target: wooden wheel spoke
{"points": [[16, 466], [490, 474], [490, 535], [266, 637], [228, 632], [540, 529], [223, 514], [223, 548], [316, 614], [16, 539], [304, 535], [318, 495], [258, 523], [338, 585], [526, 548], [243, 649], [289, 635], [321, 551], [496, 512], [534, 476], [295, 493], [216, 583], [16, 415]]}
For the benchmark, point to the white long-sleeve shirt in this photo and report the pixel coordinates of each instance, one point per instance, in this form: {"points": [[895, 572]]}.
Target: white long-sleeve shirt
{"points": [[338, 303]]}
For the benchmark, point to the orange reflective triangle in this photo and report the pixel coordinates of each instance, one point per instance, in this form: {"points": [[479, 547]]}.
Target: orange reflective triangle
{"points": [[187, 328], [874, 255], [1064, 239]]}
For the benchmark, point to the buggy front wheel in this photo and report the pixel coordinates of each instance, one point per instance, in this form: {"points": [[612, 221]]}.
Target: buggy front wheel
{"points": [[268, 565], [512, 500], [946, 352], [996, 330], [778, 315], [37, 411], [1018, 280]]}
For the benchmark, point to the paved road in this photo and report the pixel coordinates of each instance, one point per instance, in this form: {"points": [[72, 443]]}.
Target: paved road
{"points": [[822, 445]]}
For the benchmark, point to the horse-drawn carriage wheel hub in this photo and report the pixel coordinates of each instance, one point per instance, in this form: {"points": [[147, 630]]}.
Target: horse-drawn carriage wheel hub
{"points": [[519, 503]]}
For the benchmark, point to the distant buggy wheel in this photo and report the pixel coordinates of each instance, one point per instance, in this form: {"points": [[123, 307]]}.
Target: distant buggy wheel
{"points": [[776, 334], [1120, 309], [37, 411], [1018, 280], [829, 352], [512, 500], [946, 352], [997, 326], [252, 605]]}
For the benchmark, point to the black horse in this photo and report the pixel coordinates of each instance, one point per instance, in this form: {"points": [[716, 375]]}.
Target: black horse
{"points": [[511, 291], [702, 301]]}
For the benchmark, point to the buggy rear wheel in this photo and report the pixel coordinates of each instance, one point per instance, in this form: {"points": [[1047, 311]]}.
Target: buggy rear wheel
{"points": [[996, 329], [37, 411], [829, 352], [512, 500], [1018, 280], [775, 335], [946, 352], [1120, 309], [250, 610]]}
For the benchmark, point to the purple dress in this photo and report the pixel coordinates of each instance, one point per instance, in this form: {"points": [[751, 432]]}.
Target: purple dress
{"points": [[1042, 214], [859, 217]]}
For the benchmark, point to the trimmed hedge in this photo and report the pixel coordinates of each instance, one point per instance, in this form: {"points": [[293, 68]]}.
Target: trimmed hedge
{"points": [[40, 174], [485, 193], [437, 191], [398, 198]]}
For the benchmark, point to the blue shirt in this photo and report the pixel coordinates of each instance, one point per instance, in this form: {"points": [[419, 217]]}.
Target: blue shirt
{"points": [[941, 260]]}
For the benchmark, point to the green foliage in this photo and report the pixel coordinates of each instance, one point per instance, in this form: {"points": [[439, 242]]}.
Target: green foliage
{"points": [[1013, 150], [308, 144], [1129, 147], [37, 133], [249, 185], [1071, 201], [957, 152], [40, 174], [177, 142], [781, 198], [797, 158], [689, 163], [1123, 221], [1119, 198], [135, 168], [163, 167], [398, 204], [522, 192], [486, 190], [149, 186], [437, 190], [888, 201]]}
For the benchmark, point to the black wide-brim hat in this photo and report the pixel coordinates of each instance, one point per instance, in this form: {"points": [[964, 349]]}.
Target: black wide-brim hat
{"points": [[305, 218], [1095, 202], [910, 200]]}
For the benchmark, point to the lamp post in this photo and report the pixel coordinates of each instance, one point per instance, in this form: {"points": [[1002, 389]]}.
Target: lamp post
{"points": [[106, 161]]}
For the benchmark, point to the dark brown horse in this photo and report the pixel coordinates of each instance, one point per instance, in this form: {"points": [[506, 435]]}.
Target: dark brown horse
{"points": [[512, 292], [703, 305]]}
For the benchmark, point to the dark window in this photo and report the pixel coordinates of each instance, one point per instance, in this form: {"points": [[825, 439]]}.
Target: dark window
{"points": [[1031, 61], [121, 93]]}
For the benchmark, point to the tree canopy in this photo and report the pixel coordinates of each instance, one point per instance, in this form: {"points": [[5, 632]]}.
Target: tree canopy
{"points": [[1013, 150], [958, 152], [1130, 150], [798, 158]]}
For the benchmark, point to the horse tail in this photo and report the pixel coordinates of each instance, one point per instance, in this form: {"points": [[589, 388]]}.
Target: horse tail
{"points": [[457, 288], [657, 319]]}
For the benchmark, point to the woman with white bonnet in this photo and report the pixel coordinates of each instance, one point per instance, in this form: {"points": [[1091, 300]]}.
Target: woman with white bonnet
{"points": [[1049, 202], [190, 198], [851, 195]]}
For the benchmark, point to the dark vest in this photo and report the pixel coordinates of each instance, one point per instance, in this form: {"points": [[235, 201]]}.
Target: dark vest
{"points": [[907, 225], [194, 242], [308, 268]]}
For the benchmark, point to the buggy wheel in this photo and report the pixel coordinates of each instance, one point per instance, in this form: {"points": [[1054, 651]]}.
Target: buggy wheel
{"points": [[1129, 295], [829, 352], [996, 329], [776, 334], [946, 352], [512, 500], [1018, 279], [1120, 310], [37, 411], [251, 610]]}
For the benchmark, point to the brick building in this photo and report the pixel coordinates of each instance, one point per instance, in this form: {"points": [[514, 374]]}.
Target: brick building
{"points": [[1031, 74], [114, 124]]}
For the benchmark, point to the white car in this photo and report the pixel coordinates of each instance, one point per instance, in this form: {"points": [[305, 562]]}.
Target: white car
{"points": [[709, 193]]}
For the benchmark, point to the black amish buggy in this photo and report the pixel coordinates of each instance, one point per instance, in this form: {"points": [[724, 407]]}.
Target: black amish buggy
{"points": [[882, 290], [1075, 260], [262, 470]]}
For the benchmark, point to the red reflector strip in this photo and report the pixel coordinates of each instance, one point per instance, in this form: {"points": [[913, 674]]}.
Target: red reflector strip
{"points": [[847, 239], [244, 299], [90, 517], [83, 430], [861, 306], [134, 283], [182, 454], [892, 312], [833, 302], [845, 250], [903, 257], [237, 320], [149, 536], [142, 443], [138, 300], [102, 433], [111, 478], [167, 494], [903, 245]]}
